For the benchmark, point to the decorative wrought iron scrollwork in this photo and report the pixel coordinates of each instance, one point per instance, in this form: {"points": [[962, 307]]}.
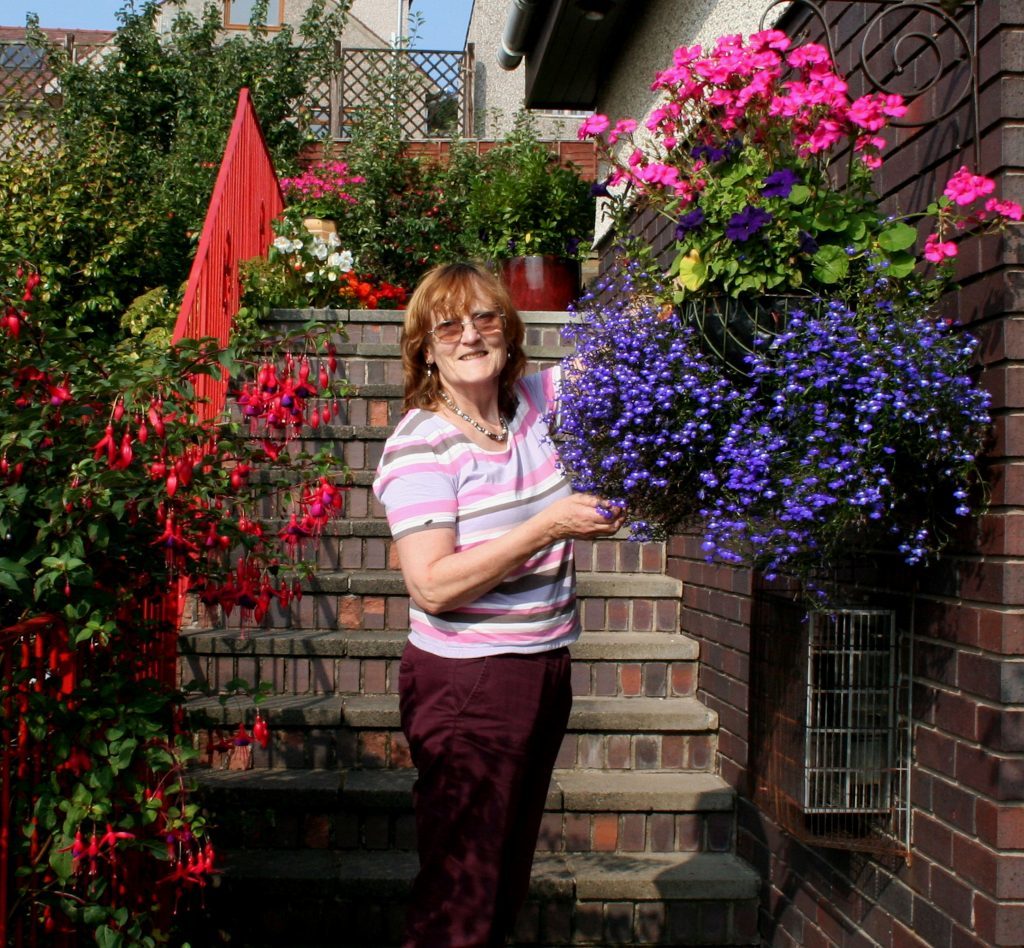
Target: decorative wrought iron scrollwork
{"points": [[909, 43]]}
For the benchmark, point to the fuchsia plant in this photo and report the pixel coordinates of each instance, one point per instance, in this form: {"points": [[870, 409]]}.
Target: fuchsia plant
{"points": [[112, 489]]}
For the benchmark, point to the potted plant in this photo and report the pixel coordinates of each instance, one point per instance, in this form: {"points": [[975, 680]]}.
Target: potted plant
{"points": [[533, 217], [321, 194], [853, 421]]}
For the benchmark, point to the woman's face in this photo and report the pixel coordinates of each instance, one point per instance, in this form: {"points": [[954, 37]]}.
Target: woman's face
{"points": [[475, 359]]}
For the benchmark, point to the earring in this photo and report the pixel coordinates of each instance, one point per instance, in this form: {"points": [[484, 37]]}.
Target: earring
{"points": [[430, 369]]}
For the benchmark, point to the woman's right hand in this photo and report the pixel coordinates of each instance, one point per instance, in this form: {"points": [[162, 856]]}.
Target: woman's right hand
{"points": [[583, 517]]}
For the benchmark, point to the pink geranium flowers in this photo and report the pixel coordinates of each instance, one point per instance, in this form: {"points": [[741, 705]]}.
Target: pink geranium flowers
{"points": [[739, 154]]}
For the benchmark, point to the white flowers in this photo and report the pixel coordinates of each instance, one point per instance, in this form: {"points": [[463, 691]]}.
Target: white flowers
{"points": [[287, 246], [342, 260]]}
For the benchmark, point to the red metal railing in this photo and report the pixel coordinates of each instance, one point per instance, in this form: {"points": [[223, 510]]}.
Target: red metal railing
{"points": [[246, 199], [35, 653]]}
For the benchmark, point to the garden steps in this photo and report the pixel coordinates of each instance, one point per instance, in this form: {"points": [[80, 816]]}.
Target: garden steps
{"points": [[363, 731], [372, 810], [344, 898], [637, 843]]}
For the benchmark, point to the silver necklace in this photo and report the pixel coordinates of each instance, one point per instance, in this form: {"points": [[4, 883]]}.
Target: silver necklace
{"points": [[500, 438]]}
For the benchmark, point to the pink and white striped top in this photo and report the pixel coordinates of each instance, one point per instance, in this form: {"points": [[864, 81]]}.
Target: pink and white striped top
{"points": [[431, 475]]}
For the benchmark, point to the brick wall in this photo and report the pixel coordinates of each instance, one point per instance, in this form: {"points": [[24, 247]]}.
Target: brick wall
{"points": [[583, 155], [965, 883]]}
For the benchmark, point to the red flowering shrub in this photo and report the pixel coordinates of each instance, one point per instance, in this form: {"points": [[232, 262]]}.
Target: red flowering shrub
{"points": [[111, 491]]}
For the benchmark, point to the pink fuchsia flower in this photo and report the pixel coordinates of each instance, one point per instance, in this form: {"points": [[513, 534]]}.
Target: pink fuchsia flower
{"points": [[1011, 210], [965, 188], [937, 250], [592, 125]]}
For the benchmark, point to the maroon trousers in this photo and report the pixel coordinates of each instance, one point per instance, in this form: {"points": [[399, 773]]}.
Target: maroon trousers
{"points": [[484, 734]]}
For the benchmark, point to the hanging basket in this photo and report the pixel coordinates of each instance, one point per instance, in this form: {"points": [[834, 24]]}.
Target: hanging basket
{"points": [[729, 327]]}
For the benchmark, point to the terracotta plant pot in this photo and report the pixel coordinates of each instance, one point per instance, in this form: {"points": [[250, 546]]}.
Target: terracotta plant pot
{"points": [[320, 226], [541, 283]]}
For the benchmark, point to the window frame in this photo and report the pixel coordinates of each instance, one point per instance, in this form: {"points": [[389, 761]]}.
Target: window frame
{"points": [[228, 25]]}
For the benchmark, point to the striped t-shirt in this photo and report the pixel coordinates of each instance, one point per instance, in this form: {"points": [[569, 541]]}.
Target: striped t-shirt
{"points": [[431, 475]]}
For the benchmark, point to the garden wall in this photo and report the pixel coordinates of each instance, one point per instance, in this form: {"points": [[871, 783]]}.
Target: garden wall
{"points": [[965, 882]]}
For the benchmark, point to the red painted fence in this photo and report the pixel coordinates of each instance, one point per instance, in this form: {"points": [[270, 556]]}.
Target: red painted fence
{"points": [[246, 199]]}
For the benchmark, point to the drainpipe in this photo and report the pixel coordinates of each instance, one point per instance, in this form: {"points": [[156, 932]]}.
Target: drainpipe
{"points": [[517, 26]]}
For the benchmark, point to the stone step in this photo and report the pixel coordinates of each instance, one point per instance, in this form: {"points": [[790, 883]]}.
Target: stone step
{"points": [[330, 731], [377, 599], [587, 811], [655, 664], [358, 543], [270, 898]]}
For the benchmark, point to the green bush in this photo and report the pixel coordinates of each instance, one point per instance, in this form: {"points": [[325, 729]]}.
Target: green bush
{"points": [[115, 209]]}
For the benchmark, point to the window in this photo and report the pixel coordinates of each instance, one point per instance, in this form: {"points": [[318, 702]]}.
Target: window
{"points": [[237, 14], [20, 56]]}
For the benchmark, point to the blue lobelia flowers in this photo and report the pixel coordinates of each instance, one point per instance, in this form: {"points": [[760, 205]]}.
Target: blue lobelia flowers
{"points": [[852, 427]]}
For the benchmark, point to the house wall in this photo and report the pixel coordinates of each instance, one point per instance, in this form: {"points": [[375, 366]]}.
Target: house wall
{"points": [[498, 93], [359, 32], [965, 882]]}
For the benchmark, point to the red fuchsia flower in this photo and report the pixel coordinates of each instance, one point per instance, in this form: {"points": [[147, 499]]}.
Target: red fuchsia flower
{"points": [[106, 446], [12, 321], [260, 731], [293, 535], [59, 394], [965, 188]]}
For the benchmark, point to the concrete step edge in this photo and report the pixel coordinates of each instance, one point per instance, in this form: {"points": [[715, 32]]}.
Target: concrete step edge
{"points": [[604, 585], [589, 714], [364, 643], [658, 877], [588, 791]]}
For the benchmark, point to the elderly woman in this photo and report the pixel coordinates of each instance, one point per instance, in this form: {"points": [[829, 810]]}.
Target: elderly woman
{"points": [[483, 521]]}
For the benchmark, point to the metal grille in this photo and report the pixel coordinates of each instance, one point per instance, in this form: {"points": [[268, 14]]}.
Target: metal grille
{"points": [[830, 723], [851, 723], [425, 92]]}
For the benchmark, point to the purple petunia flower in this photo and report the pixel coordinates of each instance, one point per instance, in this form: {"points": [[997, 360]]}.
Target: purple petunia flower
{"points": [[689, 222], [808, 244], [748, 222], [600, 189], [711, 154], [780, 183]]}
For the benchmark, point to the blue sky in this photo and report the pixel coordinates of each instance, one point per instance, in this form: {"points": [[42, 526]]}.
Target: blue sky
{"points": [[444, 25]]}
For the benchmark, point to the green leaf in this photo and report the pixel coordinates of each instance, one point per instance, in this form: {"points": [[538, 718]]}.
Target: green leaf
{"points": [[901, 265], [799, 194], [62, 863], [897, 236], [830, 264], [693, 272]]}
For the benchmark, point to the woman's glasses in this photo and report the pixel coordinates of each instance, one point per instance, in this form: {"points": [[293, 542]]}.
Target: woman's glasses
{"points": [[485, 323]]}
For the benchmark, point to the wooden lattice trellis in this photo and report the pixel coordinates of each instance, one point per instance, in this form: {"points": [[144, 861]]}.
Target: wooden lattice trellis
{"points": [[426, 92], [29, 91]]}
